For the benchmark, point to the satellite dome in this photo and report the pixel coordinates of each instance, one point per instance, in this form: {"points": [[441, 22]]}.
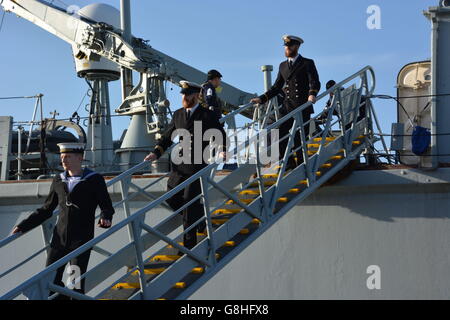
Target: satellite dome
{"points": [[104, 68]]}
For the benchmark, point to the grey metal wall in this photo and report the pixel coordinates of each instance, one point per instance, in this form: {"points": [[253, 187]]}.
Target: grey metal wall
{"points": [[396, 219]]}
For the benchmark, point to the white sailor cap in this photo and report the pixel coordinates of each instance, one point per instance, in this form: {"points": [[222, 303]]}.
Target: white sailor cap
{"points": [[290, 40], [71, 147], [189, 87]]}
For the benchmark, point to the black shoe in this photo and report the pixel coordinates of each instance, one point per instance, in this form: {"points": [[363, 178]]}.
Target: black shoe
{"points": [[291, 164], [201, 227]]}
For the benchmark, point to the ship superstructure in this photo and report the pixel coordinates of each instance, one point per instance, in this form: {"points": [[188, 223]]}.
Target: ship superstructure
{"points": [[325, 229]]}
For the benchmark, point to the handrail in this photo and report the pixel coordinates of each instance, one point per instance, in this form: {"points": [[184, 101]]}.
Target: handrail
{"points": [[119, 178], [123, 175], [203, 175]]}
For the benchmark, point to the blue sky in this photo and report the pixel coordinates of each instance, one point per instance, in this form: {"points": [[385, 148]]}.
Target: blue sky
{"points": [[235, 37]]}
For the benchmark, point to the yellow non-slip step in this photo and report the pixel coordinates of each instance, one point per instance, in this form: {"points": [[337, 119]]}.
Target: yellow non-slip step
{"points": [[229, 244], [127, 285], [315, 145], [312, 152], [136, 285], [171, 246], [249, 192], [336, 157], [294, 190], [198, 270], [150, 271], [246, 201], [326, 165], [326, 139], [222, 221], [179, 285], [154, 271], [165, 257], [245, 231], [226, 211], [270, 176], [356, 142], [283, 199]]}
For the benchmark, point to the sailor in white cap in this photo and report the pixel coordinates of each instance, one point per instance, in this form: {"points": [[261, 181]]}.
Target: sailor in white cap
{"points": [[78, 192], [298, 81], [186, 118]]}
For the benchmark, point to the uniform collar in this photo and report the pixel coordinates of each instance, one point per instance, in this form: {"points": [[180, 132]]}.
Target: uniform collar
{"points": [[192, 110], [85, 174], [294, 59]]}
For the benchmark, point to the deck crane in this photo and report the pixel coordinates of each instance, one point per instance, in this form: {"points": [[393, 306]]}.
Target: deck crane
{"points": [[94, 40]]}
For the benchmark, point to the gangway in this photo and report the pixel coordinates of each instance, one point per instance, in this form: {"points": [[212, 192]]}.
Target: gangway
{"points": [[240, 208]]}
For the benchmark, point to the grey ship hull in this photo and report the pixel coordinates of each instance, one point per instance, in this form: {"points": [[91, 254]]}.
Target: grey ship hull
{"points": [[396, 220]]}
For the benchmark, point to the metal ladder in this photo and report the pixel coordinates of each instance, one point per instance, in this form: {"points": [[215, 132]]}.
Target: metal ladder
{"points": [[239, 207]]}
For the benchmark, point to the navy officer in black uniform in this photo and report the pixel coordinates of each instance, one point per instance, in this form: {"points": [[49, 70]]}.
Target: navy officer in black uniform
{"points": [[209, 94], [78, 192], [185, 118], [299, 81]]}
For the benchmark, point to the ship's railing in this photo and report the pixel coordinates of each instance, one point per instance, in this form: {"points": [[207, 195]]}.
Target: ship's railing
{"points": [[125, 184], [347, 103]]}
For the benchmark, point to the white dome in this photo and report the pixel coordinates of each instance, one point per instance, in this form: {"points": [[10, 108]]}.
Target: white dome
{"points": [[101, 12], [104, 68]]}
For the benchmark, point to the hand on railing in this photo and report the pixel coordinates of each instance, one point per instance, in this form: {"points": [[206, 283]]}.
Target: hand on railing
{"points": [[312, 99], [104, 223], [255, 100], [151, 157], [223, 155], [16, 230]]}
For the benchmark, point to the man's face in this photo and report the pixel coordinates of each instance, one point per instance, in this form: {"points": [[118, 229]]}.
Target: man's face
{"points": [[216, 82], [291, 51], [190, 100], [71, 160]]}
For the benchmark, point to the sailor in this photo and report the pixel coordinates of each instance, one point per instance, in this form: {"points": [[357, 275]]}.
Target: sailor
{"points": [[299, 80], [209, 94], [189, 116], [324, 115], [78, 192]]}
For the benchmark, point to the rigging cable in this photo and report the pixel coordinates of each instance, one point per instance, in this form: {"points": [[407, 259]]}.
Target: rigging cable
{"points": [[1, 22]]}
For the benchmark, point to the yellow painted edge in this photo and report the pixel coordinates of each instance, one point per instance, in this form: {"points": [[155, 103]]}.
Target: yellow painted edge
{"points": [[165, 258], [244, 231], [126, 285], [179, 285]]}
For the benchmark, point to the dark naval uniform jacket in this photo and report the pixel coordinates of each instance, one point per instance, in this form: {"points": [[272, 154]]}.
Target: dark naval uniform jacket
{"points": [[76, 219], [179, 120], [210, 100], [297, 83]]}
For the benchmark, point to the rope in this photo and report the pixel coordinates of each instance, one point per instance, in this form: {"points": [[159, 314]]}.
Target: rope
{"points": [[1, 22]]}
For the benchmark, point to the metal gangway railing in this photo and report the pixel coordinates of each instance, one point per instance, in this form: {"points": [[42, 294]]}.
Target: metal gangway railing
{"points": [[237, 210]]}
